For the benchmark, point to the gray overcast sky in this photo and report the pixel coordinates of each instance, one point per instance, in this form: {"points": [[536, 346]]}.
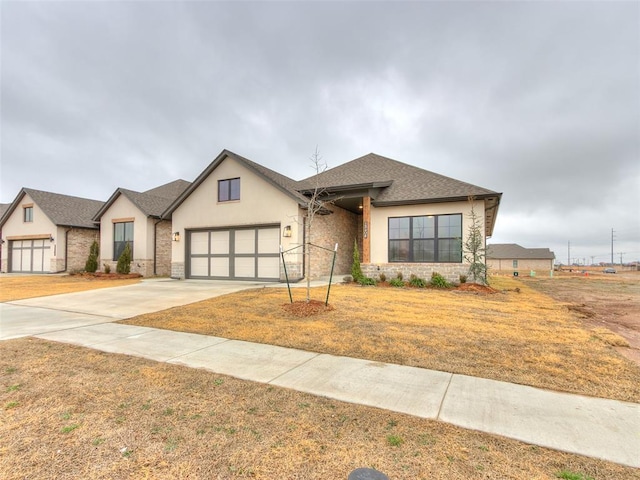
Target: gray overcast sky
{"points": [[538, 100]]}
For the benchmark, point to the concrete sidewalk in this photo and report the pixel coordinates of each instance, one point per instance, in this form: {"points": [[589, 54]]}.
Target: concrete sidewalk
{"points": [[600, 428]]}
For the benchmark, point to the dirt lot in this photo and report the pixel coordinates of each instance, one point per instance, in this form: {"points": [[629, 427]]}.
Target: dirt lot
{"points": [[600, 301], [74, 413]]}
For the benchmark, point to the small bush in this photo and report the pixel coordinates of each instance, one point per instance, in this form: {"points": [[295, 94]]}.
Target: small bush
{"points": [[92, 262], [107, 268], [439, 281], [124, 261], [356, 270], [463, 279], [396, 282], [366, 281], [416, 281], [347, 279], [383, 277], [399, 276]]}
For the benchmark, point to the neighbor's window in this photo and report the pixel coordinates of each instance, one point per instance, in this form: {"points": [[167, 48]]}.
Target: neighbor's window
{"points": [[229, 190], [122, 234], [426, 239], [28, 214], [515, 264]]}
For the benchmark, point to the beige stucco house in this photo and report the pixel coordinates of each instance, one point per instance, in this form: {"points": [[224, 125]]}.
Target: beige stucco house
{"points": [[511, 257], [134, 218], [44, 232], [234, 218]]}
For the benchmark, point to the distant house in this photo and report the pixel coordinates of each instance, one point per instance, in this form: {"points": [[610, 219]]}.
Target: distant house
{"points": [[236, 214], [44, 232], [514, 258], [133, 218]]}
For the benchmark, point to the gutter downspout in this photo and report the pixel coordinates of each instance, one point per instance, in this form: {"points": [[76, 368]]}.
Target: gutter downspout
{"points": [[66, 248], [155, 247]]}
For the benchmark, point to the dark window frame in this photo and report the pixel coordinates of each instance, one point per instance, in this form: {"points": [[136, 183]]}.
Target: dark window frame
{"points": [[27, 214], [229, 190], [414, 245], [118, 245]]}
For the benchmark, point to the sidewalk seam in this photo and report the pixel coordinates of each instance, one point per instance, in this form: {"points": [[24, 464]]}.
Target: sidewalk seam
{"points": [[198, 349], [297, 366], [444, 396]]}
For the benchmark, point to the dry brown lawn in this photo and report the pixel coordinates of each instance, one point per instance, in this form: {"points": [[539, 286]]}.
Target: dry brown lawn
{"points": [[19, 288], [73, 413], [522, 336]]}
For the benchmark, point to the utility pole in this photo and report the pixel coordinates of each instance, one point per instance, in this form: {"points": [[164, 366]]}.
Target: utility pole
{"points": [[592, 257], [612, 247], [569, 253], [621, 253]]}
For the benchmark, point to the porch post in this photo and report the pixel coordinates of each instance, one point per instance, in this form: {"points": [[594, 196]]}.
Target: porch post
{"points": [[366, 230]]}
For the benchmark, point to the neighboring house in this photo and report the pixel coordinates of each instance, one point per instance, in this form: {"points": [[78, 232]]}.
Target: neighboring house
{"points": [[236, 214], [46, 232], [514, 258], [134, 218]]}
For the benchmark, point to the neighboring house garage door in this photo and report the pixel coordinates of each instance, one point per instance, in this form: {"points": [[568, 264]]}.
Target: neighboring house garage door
{"points": [[242, 253], [30, 256]]}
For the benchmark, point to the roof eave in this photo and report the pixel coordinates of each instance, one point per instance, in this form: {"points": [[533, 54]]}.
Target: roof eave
{"points": [[210, 168]]}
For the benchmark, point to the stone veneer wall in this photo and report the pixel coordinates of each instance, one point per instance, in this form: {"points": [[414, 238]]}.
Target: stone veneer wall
{"points": [[177, 270], [164, 237], [340, 227], [450, 271], [79, 242]]}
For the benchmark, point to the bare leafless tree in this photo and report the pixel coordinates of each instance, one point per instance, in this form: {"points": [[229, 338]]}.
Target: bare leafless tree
{"points": [[315, 205]]}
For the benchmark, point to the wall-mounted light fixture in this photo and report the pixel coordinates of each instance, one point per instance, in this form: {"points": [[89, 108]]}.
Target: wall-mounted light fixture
{"points": [[287, 231], [176, 236], [51, 239], [360, 207]]}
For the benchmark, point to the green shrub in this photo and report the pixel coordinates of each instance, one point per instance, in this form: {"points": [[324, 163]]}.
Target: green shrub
{"points": [[399, 276], [396, 282], [107, 268], [92, 262], [366, 281], [439, 281], [416, 281], [383, 277], [124, 261], [463, 279], [356, 270]]}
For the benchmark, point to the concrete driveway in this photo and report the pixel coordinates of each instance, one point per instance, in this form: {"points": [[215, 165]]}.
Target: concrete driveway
{"points": [[34, 316]]}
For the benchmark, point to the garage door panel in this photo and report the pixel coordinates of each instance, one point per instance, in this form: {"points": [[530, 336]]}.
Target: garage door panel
{"points": [[220, 266], [200, 243], [245, 267], [269, 240], [268, 267], [200, 266], [220, 242], [16, 258], [245, 241]]}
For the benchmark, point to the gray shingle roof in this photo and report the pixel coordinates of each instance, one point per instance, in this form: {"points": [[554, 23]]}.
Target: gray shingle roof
{"points": [[408, 183], [515, 251], [3, 208], [63, 210], [169, 190], [152, 202]]}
